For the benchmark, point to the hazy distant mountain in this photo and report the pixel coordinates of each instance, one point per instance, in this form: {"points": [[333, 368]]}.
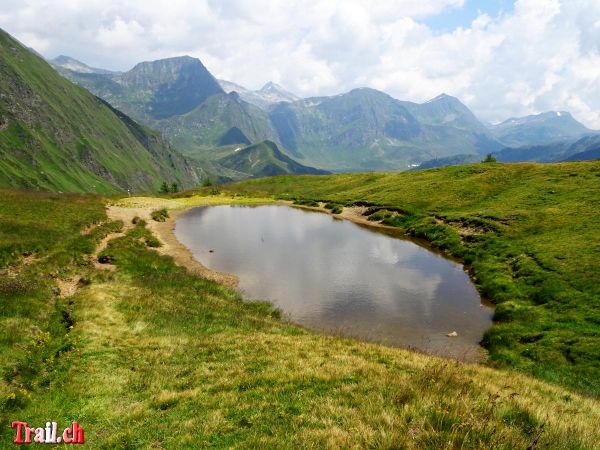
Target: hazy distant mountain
{"points": [[265, 97], [539, 129], [585, 149], [445, 110], [66, 62], [55, 135], [365, 129], [262, 160], [575, 150]]}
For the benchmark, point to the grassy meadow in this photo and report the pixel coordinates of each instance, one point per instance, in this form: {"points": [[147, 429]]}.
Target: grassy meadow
{"points": [[149, 356], [529, 233]]}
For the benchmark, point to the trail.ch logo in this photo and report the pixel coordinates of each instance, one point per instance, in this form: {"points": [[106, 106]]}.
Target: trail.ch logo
{"points": [[48, 434]]}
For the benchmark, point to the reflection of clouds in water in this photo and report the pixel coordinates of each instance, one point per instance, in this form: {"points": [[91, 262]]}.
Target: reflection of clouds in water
{"points": [[328, 273]]}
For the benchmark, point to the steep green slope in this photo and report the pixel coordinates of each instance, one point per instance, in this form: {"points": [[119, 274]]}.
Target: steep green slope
{"points": [[263, 160], [529, 234], [150, 356], [57, 136]]}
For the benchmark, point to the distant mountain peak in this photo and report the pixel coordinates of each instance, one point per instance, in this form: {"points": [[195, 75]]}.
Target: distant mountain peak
{"points": [[443, 97], [539, 129], [278, 92], [175, 62], [69, 63], [272, 86], [266, 96]]}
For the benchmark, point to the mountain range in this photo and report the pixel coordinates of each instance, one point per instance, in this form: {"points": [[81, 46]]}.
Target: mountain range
{"points": [[55, 135], [363, 129]]}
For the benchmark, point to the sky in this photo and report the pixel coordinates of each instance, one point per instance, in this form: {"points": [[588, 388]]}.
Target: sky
{"points": [[502, 58]]}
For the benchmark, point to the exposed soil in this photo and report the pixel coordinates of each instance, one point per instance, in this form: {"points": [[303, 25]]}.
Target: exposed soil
{"points": [[352, 213], [164, 231]]}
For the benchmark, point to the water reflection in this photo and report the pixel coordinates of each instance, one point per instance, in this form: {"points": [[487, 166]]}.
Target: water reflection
{"points": [[339, 277]]}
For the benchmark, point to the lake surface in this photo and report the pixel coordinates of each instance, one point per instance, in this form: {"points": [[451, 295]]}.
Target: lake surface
{"points": [[342, 278]]}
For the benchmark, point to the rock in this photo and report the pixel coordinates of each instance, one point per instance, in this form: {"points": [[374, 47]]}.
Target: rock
{"points": [[105, 259], [211, 251], [453, 334]]}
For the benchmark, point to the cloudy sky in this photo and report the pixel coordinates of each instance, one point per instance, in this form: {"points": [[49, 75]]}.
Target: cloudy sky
{"points": [[501, 57]]}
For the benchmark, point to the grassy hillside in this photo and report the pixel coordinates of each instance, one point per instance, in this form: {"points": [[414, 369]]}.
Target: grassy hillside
{"points": [[263, 160], [149, 356], [55, 135], [530, 234]]}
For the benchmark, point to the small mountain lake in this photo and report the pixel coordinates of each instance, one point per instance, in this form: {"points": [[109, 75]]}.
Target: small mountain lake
{"points": [[340, 277]]}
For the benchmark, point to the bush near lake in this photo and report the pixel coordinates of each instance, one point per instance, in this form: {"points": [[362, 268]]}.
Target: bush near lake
{"points": [[149, 356], [528, 233], [160, 215]]}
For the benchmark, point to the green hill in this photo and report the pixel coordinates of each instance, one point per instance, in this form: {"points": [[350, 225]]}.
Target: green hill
{"points": [[55, 135], [263, 160], [529, 234]]}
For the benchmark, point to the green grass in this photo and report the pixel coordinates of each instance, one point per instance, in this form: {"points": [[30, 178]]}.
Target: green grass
{"points": [[529, 233], [150, 356]]}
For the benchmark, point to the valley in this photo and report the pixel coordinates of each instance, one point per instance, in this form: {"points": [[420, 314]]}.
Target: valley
{"points": [[186, 262], [361, 130]]}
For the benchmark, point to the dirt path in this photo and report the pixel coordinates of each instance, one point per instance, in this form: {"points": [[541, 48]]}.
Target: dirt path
{"points": [[164, 232], [101, 246]]}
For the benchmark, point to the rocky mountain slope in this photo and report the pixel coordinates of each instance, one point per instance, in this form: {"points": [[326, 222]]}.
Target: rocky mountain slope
{"points": [[366, 129], [270, 94]]}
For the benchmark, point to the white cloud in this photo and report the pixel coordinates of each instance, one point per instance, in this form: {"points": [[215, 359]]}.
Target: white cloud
{"points": [[543, 55]]}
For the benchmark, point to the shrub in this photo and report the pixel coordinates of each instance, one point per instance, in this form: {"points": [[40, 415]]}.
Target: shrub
{"points": [[153, 242], [164, 188], [489, 159], [306, 202], [160, 215]]}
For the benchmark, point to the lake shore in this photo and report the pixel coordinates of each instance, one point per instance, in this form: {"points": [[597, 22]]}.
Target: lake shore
{"points": [[128, 208]]}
